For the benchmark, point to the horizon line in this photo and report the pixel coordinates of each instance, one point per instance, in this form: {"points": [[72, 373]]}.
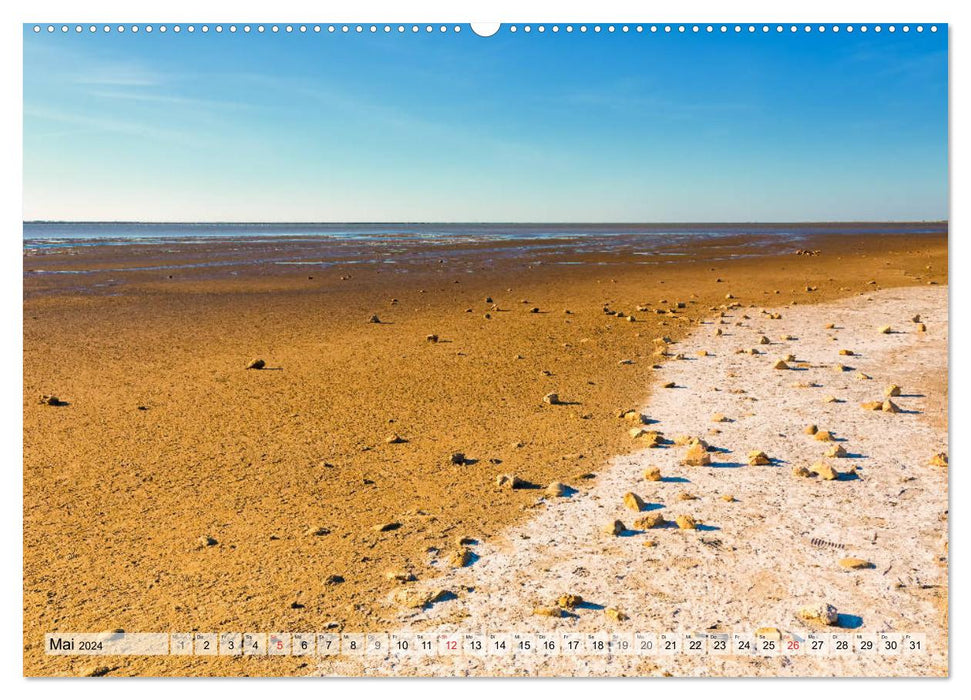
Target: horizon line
{"points": [[488, 223]]}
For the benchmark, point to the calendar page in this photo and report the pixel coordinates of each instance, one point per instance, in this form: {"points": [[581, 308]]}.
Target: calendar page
{"points": [[556, 348]]}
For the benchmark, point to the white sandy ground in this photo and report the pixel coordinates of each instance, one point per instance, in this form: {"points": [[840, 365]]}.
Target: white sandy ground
{"points": [[754, 564]]}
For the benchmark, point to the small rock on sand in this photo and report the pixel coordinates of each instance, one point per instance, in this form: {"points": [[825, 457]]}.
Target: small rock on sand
{"points": [[400, 576], [461, 558], [615, 528], [854, 563], [892, 390], [412, 598], [810, 429], [319, 531], [939, 460], [256, 364], [823, 436], [885, 329], [373, 318], [780, 364], [549, 611], [208, 541], [431, 338], [551, 399], [510, 481], [457, 458], [386, 527], [616, 615], [824, 471], [652, 474], [696, 456], [889, 406], [649, 521], [557, 489], [836, 451], [822, 613], [633, 501], [394, 439], [871, 405], [758, 458], [686, 522], [801, 472], [569, 601]]}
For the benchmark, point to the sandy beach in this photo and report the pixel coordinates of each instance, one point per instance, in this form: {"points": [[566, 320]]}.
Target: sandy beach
{"points": [[175, 490]]}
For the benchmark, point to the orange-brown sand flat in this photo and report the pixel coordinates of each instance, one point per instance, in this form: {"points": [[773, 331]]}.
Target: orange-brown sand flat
{"points": [[175, 490]]}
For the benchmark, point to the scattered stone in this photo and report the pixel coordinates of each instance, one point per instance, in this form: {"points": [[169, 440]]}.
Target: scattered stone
{"points": [[780, 364], [686, 522], [696, 456], [810, 429], [615, 528], [208, 541], [841, 367], [892, 390], [256, 364], [457, 458], [649, 521], [550, 611], [871, 405], [616, 615], [764, 341], [412, 598], [557, 490], [461, 558], [885, 329], [633, 501], [836, 451], [921, 328], [830, 399], [431, 338], [862, 376], [758, 458], [685, 496], [824, 471], [373, 318], [510, 481], [569, 601], [668, 385], [318, 531], [334, 580], [394, 439], [829, 326], [650, 543], [654, 474], [552, 399], [823, 613], [632, 416], [823, 436], [801, 472], [939, 460], [386, 527], [728, 498], [854, 563], [400, 576], [916, 318], [719, 418], [889, 406]]}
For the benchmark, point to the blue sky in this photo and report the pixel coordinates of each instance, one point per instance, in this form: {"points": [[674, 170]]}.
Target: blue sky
{"points": [[515, 127]]}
